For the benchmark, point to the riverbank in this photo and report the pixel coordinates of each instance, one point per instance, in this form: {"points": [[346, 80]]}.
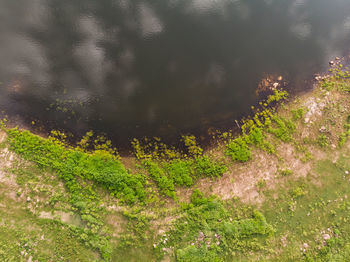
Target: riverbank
{"points": [[278, 192]]}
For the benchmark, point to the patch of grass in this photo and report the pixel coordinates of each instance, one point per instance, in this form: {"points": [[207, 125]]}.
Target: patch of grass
{"points": [[261, 184], [298, 114], [313, 220], [282, 128], [238, 149], [322, 141], [344, 136], [164, 183], [285, 172], [209, 231], [182, 172]]}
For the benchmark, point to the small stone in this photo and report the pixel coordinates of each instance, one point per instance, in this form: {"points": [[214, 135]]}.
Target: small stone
{"points": [[28, 199], [218, 243], [280, 78], [323, 129], [331, 63], [275, 85], [326, 236], [306, 245], [346, 172], [337, 58], [201, 236], [154, 245]]}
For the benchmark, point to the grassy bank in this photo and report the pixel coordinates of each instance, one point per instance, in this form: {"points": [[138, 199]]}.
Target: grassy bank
{"points": [[277, 192]]}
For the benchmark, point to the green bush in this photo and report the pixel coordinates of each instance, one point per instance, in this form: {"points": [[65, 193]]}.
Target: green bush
{"points": [[180, 171], [193, 149], [345, 135], [298, 114], [208, 231], [255, 136], [165, 184], [284, 128], [98, 166], [238, 149], [204, 167], [323, 141]]}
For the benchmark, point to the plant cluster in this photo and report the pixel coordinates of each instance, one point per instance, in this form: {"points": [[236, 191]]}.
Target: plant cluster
{"points": [[169, 168], [253, 130], [209, 231], [181, 172], [77, 169]]}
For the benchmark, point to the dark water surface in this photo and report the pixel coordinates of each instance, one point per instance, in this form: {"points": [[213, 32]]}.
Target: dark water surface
{"points": [[131, 68]]}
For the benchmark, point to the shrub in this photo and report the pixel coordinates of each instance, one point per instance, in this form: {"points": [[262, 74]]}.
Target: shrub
{"points": [[345, 135], [284, 128], [180, 171], [99, 166], [323, 141], [222, 232], [238, 149], [197, 198], [165, 184], [193, 149], [205, 167], [286, 172], [255, 136], [298, 114]]}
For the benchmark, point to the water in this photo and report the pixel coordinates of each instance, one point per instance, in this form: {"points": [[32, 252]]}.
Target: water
{"points": [[131, 68]]}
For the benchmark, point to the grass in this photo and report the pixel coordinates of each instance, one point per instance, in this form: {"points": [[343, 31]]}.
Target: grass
{"points": [[306, 213]]}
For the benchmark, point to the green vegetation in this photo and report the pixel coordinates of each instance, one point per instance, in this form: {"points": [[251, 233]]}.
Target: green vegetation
{"points": [[209, 231]]}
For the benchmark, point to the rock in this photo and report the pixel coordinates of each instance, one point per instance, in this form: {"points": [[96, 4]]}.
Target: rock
{"points": [[326, 236], [323, 129], [337, 58], [331, 63], [28, 199], [346, 172], [275, 85], [306, 245], [280, 78], [201, 236]]}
